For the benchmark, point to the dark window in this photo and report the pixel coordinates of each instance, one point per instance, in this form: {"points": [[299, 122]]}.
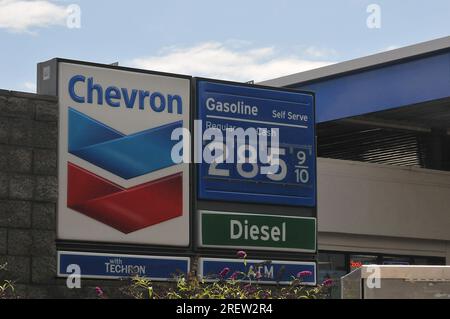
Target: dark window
{"points": [[395, 260], [428, 261], [332, 266]]}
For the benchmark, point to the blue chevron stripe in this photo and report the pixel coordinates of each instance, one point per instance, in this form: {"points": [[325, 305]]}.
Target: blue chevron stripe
{"points": [[127, 156]]}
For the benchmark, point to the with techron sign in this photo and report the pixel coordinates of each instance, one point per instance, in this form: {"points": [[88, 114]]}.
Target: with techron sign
{"points": [[117, 180]]}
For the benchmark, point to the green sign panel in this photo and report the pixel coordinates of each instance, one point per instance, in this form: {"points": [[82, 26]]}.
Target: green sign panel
{"points": [[255, 231]]}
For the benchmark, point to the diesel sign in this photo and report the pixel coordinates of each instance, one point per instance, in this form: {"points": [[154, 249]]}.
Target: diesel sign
{"points": [[260, 232]]}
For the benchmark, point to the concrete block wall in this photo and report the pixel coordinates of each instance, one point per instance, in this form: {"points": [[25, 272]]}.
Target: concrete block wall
{"points": [[28, 197]]}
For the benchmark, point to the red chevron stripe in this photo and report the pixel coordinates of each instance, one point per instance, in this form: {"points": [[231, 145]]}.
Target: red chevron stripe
{"points": [[126, 210]]}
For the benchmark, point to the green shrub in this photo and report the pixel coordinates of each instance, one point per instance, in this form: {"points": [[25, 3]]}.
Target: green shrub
{"points": [[238, 286], [191, 287], [6, 286]]}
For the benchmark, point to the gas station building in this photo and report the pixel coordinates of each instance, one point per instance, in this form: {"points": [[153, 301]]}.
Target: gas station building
{"points": [[383, 171], [383, 125]]}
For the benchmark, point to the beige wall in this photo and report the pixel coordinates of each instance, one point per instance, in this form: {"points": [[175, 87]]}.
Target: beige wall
{"points": [[370, 207]]}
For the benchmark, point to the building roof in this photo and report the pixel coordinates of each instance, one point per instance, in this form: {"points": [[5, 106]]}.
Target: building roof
{"points": [[368, 62]]}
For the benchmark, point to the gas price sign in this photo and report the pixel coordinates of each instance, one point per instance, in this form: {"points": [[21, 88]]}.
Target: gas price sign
{"points": [[269, 117]]}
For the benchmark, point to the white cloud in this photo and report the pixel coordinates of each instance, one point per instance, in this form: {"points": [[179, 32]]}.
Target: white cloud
{"points": [[29, 87], [227, 62], [316, 52], [22, 15]]}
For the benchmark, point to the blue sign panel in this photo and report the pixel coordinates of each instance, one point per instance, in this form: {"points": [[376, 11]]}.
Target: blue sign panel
{"points": [[268, 272], [112, 266], [284, 114]]}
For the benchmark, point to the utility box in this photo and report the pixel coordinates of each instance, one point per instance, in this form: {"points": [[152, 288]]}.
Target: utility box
{"points": [[397, 282]]}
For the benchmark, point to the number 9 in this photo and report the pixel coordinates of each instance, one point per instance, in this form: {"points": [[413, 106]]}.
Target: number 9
{"points": [[301, 156]]}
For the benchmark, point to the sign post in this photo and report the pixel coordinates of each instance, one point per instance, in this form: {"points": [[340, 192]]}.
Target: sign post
{"points": [[254, 187]]}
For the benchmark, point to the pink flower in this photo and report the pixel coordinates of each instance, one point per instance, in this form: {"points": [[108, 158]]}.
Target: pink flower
{"points": [[235, 275], [242, 254], [249, 288], [258, 275], [305, 273], [224, 272], [265, 295], [99, 292], [327, 283]]}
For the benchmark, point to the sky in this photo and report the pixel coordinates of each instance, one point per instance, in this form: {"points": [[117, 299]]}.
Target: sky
{"points": [[238, 40]]}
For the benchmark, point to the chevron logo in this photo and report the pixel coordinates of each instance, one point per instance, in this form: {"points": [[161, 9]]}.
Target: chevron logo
{"points": [[126, 210], [127, 156]]}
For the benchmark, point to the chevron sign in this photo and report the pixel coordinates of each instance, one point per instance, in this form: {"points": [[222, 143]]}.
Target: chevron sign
{"points": [[117, 180]]}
